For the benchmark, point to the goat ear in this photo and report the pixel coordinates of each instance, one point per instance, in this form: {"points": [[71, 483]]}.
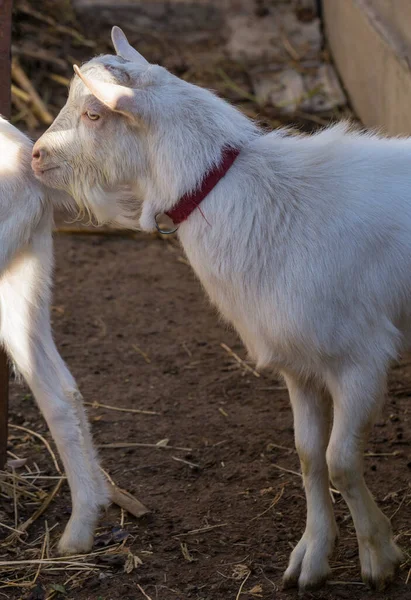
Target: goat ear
{"points": [[116, 97], [123, 48]]}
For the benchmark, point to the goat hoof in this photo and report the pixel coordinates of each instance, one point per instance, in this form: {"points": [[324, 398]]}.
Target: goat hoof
{"points": [[308, 568], [314, 583], [303, 584], [289, 581], [68, 547], [306, 579], [75, 540], [379, 568]]}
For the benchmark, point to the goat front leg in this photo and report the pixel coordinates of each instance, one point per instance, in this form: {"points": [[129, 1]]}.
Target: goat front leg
{"points": [[308, 565], [26, 335], [357, 397]]}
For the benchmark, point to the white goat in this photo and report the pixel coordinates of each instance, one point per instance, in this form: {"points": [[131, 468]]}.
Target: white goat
{"points": [[26, 264], [304, 246]]}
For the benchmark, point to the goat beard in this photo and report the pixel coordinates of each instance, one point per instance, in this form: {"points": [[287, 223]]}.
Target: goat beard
{"points": [[106, 205]]}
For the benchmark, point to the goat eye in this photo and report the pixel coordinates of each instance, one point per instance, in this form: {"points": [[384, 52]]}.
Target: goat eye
{"points": [[92, 116]]}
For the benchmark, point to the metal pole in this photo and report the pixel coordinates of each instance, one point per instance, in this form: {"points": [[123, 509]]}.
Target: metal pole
{"points": [[5, 108]]}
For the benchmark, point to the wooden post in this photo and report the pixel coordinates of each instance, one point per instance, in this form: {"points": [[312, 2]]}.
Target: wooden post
{"points": [[369, 42], [5, 108]]}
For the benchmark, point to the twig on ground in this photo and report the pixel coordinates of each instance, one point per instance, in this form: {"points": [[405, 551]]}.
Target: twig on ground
{"points": [[69, 580], [398, 507], [239, 360], [242, 585], [202, 529], [128, 502], [138, 411], [10, 528], [286, 470], [332, 490], [16, 509], [185, 552], [270, 446], [43, 550], [376, 454], [124, 499], [10, 486], [47, 561], [159, 445], [273, 503], [186, 462], [142, 353], [146, 596], [42, 439], [187, 349], [24, 526]]}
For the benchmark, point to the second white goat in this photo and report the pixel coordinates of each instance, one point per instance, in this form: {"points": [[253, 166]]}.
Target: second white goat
{"points": [[26, 264]]}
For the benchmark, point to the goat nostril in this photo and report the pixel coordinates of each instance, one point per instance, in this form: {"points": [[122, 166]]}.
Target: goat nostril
{"points": [[39, 154]]}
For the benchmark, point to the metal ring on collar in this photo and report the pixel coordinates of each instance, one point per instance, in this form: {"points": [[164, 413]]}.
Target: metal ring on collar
{"points": [[163, 231]]}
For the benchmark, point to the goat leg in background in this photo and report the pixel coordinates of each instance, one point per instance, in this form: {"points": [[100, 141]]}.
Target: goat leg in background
{"points": [[26, 334]]}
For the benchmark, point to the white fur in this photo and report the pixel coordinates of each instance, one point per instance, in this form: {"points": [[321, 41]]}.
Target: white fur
{"points": [[26, 263], [305, 248]]}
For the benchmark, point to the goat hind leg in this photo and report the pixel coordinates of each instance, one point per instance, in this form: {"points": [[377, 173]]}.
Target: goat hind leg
{"points": [[72, 392], [26, 334], [357, 397], [69, 541]]}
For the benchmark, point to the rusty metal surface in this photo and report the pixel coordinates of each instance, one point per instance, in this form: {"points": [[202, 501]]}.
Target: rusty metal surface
{"points": [[5, 106]]}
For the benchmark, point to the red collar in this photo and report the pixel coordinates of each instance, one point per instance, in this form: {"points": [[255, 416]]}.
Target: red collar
{"points": [[189, 202]]}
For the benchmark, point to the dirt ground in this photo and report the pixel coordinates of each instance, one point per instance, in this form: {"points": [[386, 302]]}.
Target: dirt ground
{"points": [[225, 495]]}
